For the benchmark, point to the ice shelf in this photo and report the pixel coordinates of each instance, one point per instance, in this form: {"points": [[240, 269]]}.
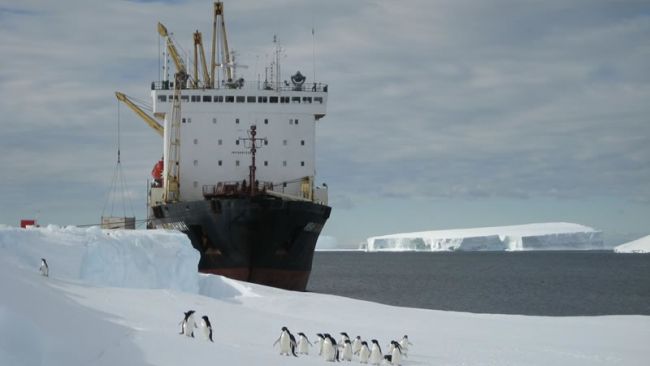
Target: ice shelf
{"points": [[539, 236]]}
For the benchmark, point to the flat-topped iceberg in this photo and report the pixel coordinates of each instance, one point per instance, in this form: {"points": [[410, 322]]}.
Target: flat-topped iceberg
{"points": [[540, 236]]}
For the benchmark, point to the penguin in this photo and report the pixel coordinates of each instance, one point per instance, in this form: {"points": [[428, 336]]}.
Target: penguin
{"points": [[330, 349], [356, 345], [303, 344], [388, 359], [207, 327], [287, 342], [405, 343], [344, 337], [375, 353], [188, 324], [364, 352], [44, 269], [395, 353], [320, 340], [347, 351]]}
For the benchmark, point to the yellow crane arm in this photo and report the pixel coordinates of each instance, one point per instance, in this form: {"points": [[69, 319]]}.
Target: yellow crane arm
{"points": [[206, 76], [147, 118], [171, 49]]}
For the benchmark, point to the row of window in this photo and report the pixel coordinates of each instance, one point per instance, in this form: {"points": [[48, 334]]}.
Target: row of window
{"points": [[266, 121], [266, 163], [242, 99], [266, 142]]}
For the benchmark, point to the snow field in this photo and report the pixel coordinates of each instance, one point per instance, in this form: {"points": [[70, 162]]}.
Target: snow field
{"points": [[102, 311]]}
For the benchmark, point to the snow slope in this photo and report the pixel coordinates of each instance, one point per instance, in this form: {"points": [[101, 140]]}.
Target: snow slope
{"points": [[131, 314], [641, 245], [543, 236]]}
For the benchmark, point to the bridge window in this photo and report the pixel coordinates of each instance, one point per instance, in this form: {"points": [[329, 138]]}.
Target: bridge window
{"points": [[262, 99], [306, 99], [284, 100], [218, 98], [207, 98], [295, 99], [162, 98], [241, 99], [318, 100], [273, 99], [230, 98], [185, 98], [196, 98], [250, 99]]}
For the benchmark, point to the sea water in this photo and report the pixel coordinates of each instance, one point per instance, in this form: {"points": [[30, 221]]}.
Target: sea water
{"points": [[558, 283]]}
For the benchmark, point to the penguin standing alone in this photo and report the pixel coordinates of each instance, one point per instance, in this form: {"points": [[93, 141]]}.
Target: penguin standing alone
{"points": [[303, 344], [375, 353], [45, 270], [287, 342], [207, 327], [364, 352], [188, 324]]}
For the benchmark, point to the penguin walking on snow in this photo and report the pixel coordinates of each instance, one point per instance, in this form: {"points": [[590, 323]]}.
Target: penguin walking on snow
{"points": [[303, 344], [405, 343], [44, 269], [207, 327], [356, 345], [330, 349], [375, 353], [188, 324], [395, 353], [346, 352], [364, 352], [319, 341], [287, 342]]}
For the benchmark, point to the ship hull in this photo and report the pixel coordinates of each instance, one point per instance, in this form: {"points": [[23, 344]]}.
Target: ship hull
{"points": [[261, 239]]}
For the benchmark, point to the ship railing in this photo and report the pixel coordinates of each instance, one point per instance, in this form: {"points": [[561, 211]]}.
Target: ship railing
{"points": [[234, 188], [248, 85]]}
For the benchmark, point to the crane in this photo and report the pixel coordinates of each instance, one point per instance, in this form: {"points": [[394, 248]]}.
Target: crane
{"points": [[198, 50], [219, 24], [172, 50], [147, 118]]}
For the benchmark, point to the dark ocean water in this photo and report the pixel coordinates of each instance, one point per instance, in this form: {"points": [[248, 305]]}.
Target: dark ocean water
{"points": [[527, 283]]}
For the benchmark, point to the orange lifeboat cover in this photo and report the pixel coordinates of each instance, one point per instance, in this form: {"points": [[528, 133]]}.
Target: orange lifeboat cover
{"points": [[157, 170]]}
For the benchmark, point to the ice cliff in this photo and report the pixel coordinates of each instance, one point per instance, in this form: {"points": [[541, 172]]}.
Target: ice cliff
{"points": [[540, 236], [641, 245]]}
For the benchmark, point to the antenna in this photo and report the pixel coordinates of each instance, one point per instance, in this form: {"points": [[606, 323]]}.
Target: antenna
{"points": [[313, 49]]}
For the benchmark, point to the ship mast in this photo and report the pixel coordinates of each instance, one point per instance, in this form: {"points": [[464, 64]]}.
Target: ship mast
{"points": [[255, 143]]}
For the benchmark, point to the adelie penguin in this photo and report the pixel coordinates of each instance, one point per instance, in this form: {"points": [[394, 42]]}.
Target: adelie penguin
{"points": [[287, 342], [207, 328], [303, 344], [346, 352], [44, 269], [394, 355], [320, 338], [330, 349], [188, 324], [376, 356], [356, 345], [364, 352], [405, 343]]}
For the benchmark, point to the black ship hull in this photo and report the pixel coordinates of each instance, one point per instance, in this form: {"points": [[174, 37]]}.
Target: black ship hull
{"points": [[261, 239]]}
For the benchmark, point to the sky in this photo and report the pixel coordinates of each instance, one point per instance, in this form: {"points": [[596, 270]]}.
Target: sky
{"points": [[441, 114]]}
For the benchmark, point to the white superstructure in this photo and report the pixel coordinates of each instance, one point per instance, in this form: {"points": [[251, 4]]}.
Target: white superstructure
{"points": [[214, 121]]}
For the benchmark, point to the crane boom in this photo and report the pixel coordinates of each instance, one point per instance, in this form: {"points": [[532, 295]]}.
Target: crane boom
{"points": [[171, 49], [198, 49], [147, 118]]}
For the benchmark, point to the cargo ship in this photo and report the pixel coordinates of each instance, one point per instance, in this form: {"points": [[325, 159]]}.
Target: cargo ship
{"points": [[237, 173]]}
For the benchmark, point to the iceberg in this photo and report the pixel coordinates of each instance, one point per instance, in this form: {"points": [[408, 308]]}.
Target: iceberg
{"points": [[641, 245], [537, 236]]}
